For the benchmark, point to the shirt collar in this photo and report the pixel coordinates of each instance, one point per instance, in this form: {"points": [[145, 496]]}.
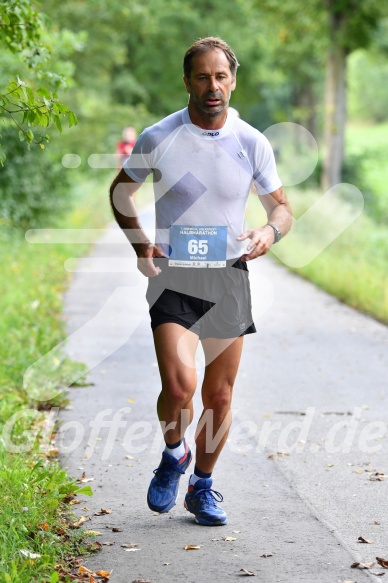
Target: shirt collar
{"points": [[203, 133]]}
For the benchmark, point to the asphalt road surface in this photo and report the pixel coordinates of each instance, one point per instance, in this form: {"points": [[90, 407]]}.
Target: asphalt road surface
{"points": [[304, 473]]}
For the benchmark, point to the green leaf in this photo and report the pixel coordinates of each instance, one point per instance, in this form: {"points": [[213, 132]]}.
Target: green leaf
{"points": [[5, 17], [22, 136], [30, 135], [54, 577], [72, 119], [44, 92], [84, 490], [57, 121], [42, 146], [30, 95]]}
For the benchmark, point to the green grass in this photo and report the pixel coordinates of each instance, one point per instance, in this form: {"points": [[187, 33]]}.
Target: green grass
{"points": [[33, 487], [369, 143]]}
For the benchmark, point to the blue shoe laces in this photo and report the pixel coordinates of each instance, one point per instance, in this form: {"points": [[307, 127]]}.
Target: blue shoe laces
{"points": [[163, 473], [209, 497]]}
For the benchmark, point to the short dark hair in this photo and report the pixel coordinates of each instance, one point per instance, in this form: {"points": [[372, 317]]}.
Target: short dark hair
{"points": [[202, 45]]}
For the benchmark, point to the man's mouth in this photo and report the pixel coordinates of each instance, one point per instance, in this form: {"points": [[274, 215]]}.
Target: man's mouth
{"points": [[213, 102]]}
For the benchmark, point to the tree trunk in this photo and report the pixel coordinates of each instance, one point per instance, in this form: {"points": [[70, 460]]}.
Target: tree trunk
{"points": [[335, 108]]}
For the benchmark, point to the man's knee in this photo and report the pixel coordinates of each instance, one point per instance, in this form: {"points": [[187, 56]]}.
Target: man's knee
{"points": [[179, 389], [219, 399]]}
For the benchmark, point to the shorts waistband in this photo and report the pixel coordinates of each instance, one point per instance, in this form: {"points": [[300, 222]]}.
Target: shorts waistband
{"points": [[162, 262]]}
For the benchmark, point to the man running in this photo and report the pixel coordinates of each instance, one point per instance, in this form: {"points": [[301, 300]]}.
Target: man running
{"points": [[203, 163]]}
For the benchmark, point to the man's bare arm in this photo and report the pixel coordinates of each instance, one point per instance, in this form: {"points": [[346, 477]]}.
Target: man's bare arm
{"points": [[279, 214], [124, 210]]}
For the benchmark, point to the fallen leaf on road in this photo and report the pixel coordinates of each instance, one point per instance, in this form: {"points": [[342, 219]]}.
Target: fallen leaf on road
{"points": [[141, 581], [129, 545], [376, 522], [382, 562], [236, 531], [105, 574], [129, 550], [362, 565], [165, 564], [115, 529], [192, 547], [129, 457], [79, 522], [82, 569], [361, 539], [108, 544], [378, 477], [93, 532], [265, 555], [359, 471], [103, 511], [83, 479], [229, 538], [246, 572], [378, 574]]}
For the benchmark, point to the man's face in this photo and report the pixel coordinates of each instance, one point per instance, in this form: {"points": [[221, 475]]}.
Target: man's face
{"points": [[210, 83]]}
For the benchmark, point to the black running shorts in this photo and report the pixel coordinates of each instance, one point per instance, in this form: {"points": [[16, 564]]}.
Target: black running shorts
{"points": [[211, 302]]}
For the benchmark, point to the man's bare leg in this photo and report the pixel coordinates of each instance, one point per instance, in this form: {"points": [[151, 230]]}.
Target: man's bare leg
{"points": [[178, 376], [175, 410], [222, 361], [217, 389]]}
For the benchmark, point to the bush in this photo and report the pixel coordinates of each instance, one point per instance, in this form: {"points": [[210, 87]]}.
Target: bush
{"points": [[34, 186]]}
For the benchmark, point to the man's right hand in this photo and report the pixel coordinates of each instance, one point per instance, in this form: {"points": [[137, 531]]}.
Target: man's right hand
{"points": [[145, 253]]}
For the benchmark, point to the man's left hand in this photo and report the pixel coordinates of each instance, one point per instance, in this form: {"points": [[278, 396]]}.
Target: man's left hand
{"points": [[260, 243]]}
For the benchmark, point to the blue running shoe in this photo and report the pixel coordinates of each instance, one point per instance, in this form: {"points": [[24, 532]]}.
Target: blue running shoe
{"points": [[201, 501], [164, 486]]}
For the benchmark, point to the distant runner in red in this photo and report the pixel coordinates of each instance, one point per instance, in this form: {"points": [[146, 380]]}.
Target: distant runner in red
{"points": [[125, 146]]}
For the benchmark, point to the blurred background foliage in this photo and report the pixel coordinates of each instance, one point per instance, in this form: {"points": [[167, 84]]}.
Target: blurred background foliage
{"points": [[118, 64]]}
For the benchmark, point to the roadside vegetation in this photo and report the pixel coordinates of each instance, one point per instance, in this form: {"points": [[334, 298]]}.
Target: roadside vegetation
{"points": [[38, 539]]}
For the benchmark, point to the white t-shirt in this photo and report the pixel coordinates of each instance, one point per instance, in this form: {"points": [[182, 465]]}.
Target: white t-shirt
{"points": [[202, 178]]}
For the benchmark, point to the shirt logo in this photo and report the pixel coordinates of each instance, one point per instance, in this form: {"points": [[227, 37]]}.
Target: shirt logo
{"points": [[211, 134]]}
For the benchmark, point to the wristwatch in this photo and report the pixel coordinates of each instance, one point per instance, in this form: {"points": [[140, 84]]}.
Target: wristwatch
{"points": [[277, 232]]}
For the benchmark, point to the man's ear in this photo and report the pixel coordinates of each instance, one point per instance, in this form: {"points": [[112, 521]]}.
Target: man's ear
{"points": [[187, 83], [233, 84]]}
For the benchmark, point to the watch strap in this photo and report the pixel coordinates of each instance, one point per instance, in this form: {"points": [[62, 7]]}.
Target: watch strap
{"points": [[277, 232]]}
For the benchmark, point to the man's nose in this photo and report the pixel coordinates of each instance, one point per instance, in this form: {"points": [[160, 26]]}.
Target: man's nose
{"points": [[213, 86]]}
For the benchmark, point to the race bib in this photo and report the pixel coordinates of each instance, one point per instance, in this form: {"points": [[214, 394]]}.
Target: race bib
{"points": [[198, 246]]}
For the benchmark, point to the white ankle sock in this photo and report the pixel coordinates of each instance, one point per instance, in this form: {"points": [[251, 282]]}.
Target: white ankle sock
{"points": [[177, 452], [193, 479]]}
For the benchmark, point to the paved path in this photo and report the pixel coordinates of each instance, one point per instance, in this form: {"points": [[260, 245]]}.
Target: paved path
{"points": [[312, 385]]}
